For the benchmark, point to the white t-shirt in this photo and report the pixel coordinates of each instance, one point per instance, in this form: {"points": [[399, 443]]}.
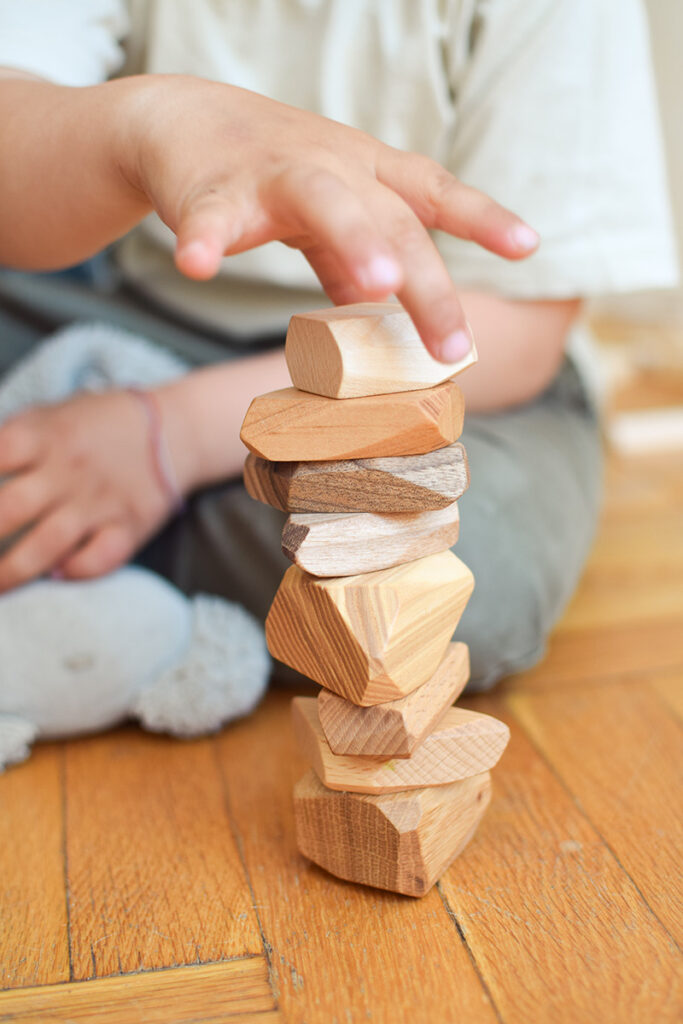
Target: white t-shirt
{"points": [[548, 105]]}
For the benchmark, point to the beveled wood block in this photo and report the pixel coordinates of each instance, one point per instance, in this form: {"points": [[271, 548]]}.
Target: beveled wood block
{"points": [[362, 349], [290, 425], [407, 483], [398, 841], [348, 543], [370, 638], [397, 728], [464, 743]]}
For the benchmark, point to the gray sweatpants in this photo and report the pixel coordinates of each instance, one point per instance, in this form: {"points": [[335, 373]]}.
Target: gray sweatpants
{"points": [[527, 519]]}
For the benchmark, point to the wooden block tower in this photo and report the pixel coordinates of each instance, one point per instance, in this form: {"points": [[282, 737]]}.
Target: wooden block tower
{"points": [[363, 454]]}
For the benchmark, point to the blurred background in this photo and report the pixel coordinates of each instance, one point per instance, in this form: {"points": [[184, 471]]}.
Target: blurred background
{"points": [[641, 336]]}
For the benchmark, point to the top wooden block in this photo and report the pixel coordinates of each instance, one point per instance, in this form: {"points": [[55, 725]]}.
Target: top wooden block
{"points": [[290, 425], [363, 349]]}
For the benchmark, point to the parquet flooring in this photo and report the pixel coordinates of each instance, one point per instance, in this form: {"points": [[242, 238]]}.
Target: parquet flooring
{"points": [[143, 879]]}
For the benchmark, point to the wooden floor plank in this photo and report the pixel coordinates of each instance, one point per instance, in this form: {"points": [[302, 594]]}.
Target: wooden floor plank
{"points": [[620, 751], [556, 927], [624, 597], [669, 688], [339, 952], [645, 486], [602, 654], [34, 943], [635, 580], [155, 879], [655, 545], [237, 991]]}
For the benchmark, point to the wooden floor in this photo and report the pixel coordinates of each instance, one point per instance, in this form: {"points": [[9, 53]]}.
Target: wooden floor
{"points": [[146, 880]]}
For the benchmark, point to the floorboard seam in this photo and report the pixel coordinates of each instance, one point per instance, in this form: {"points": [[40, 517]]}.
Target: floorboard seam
{"points": [[623, 676], [133, 974], [65, 855], [473, 960], [582, 811], [671, 710], [267, 948]]}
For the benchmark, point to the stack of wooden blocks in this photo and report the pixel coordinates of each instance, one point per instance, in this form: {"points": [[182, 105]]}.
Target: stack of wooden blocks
{"points": [[363, 454]]}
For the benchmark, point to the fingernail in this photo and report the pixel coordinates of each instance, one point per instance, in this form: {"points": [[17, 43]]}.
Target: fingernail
{"points": [[56, 574], [381, 272], [455, 347], [524, 237]]}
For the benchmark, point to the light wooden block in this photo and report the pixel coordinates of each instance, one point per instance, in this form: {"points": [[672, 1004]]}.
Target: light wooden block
{"points": [[464, 743], [348, 543], [362, 349], [403, 842], [408, 483], [291, 425], [370, 638], [397, 728]]}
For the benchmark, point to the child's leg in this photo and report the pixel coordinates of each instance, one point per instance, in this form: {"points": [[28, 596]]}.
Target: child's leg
{"points": [[526, 525]]}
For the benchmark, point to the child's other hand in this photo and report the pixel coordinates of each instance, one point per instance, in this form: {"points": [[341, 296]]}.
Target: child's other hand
{"points": [[81, 487], [228, 170]]}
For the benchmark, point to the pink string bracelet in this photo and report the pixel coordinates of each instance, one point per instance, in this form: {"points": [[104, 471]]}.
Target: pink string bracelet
{"points": [[161, 457]]}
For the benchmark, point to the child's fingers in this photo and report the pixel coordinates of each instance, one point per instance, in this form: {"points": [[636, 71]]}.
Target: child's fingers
{"points": [[323, 208], [428, 293], [441, 201], [210, 226], [23, 499], [103, 552], [19, 445], [332, 276], [43, 547]]}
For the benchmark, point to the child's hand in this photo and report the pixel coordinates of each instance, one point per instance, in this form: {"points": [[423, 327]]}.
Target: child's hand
{"points": [[228, 170], [83, 484]]}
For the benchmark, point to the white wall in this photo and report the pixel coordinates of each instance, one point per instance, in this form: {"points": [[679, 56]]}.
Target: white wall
{"points": [[666, 31]]}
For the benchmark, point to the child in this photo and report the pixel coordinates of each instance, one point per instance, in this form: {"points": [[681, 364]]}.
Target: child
{"points": [[546, 104]]}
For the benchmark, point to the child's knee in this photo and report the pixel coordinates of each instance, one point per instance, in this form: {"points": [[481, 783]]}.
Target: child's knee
{"points": [[506, 623]]}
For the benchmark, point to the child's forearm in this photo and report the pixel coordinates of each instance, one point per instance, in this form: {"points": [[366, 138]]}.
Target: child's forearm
{"points": [[202, 415], [520, 346], [228, 170], [63, 195]]}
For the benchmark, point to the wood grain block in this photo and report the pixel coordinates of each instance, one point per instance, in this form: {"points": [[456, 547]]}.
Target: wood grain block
{"points": [[362, 349], [399, 841], [348, 543], [407, 483], [290, 425], [397, 728], [370, 638], [464, 743]]}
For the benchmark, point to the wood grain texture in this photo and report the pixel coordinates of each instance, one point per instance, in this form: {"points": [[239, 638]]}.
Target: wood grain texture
{"points": [[669, 688], [407, 483], [349, 543], [463, 744], [400, 841], [362, 349], [397, 728], [291, 425], [370, 638], [237, 990], [338, 952], [34, 940], [154, 876], [557, 927], [625, 788], [604, 654]]}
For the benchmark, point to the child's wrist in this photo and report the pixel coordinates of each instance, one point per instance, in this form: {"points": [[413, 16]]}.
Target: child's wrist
{"points": [[177, 422], [131, 103]]}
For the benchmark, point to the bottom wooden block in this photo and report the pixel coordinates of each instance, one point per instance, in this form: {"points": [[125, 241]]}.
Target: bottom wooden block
{"points": [[398, 841]]}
